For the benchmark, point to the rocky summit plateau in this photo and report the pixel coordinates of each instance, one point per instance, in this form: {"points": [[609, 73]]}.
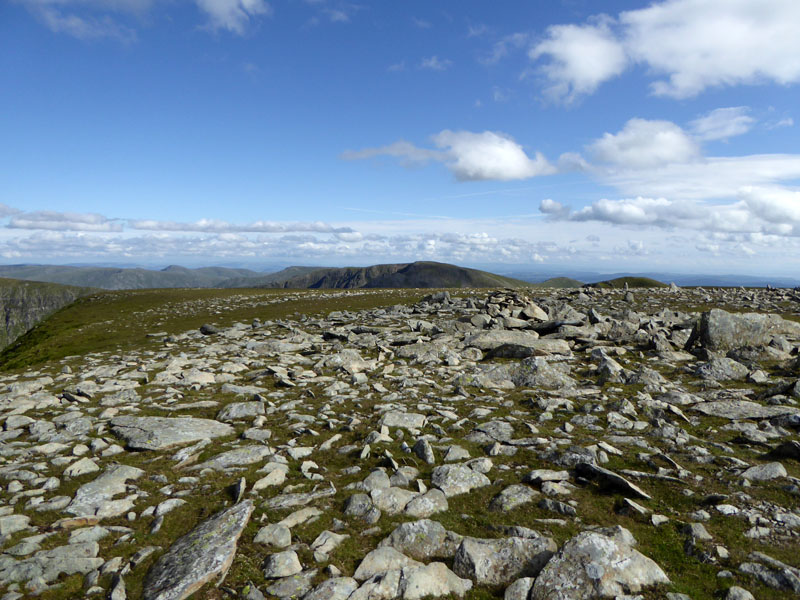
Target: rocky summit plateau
{"points": [[512, 443]]}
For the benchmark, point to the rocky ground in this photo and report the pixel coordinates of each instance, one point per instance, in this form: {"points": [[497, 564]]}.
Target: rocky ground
{"points": [[565, 444]]}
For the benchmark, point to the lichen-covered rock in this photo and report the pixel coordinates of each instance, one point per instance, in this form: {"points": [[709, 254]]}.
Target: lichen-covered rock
{"points": [[197, 557]]}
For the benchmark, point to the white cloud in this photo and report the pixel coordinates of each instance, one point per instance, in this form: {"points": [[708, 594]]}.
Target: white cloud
{"points": [[469, 156], [723, 123], [434, 63], [489, 155], [58, 221], [217, 226], [709, 43], [694, 44], [642, 143], [771, 211], [96, 19], [775, 205], [706, 178], [233, 15], [579, 58], [7, 211]]}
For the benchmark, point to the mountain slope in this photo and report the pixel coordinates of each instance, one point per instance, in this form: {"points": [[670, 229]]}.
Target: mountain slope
{"points": [[23, 304]]}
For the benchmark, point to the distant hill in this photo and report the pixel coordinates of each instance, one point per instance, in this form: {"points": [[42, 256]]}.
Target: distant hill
{"points": [[406, 275], [23, 304], [631, 282], [558, 282], [110, 278]]}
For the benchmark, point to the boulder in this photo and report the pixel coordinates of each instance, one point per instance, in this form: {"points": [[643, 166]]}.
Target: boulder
{"points": [[597, 564]]}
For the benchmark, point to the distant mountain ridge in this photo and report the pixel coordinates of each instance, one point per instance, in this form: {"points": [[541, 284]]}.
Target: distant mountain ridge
{"points": [[110, 278], [421, 274]]}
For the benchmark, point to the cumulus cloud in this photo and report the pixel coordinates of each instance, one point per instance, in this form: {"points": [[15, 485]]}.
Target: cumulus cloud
{"points": [[723, 123], [642, 143], [489, 155], [58, 221], [470, 156], [693, 44], [709, 43], [579, 58]]}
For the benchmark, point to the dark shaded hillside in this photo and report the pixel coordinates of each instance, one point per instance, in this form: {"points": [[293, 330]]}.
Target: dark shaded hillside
{"points": [[23, 304], [406, 275]]}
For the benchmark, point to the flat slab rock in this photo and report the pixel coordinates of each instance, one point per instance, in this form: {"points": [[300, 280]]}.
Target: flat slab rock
{"points": [[158, 433], [96, 497], [742, 409], [197, 557]]}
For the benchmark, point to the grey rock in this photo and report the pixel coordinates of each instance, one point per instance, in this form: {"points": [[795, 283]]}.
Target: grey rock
{"points": [[722, 369], [743, 409], [335, 588], [235, 458], [431, 581], [457, 479], [512, 497], [237, 411], [431, 502], [394, 418], [516, 344], [159, 433], [274, 534], [721, 330], [292, 586], [736, 593], [520, 589], [96, 497], [196, 558], [501, 561], [765, 472], [423, 540], [282, 564], [381, 560], [610, 479]]}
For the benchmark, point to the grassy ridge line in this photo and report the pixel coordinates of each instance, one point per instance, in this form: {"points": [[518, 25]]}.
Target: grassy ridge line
{"points": [[120, 321]]}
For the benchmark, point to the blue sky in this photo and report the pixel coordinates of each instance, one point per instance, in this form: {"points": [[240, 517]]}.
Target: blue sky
{"points": [[651, 136]]}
